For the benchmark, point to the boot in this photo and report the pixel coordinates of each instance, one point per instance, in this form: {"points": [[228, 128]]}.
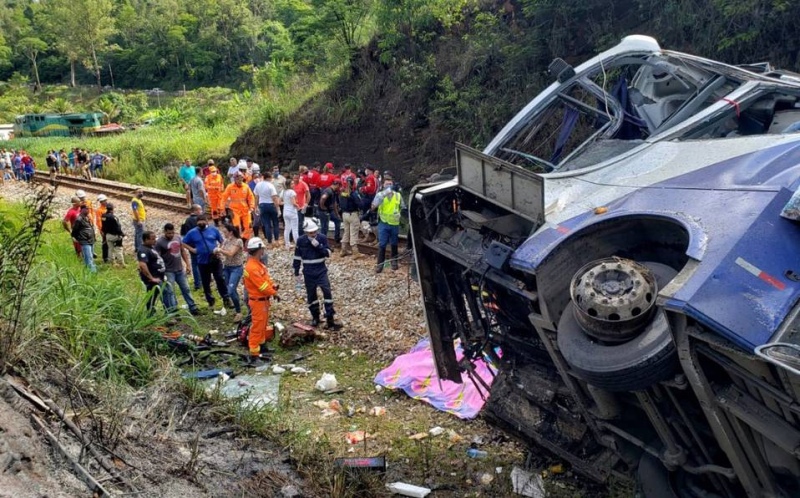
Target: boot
{"points": [[356, 253], [254, 362], [346, 249], [395, 263], [331, 324], [381, 259], [315, 321]]}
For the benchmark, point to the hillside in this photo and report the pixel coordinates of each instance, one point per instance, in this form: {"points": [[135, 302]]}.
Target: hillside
{"points": [[405, 101]]}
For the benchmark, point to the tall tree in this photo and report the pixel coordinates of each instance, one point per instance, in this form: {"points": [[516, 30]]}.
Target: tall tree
{"points": [[60, 20], [31, 47]]}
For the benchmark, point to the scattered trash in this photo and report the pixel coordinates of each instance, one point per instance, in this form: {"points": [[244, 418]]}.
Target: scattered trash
{"points": [[418, 436], [355, 437], [405, 489], [476, 453], [378, 388], [256, 390], [326, 383], [527, 484], [262, 368], [377, 463], [436, 431], [378, 411], [556, 469], [278, 370], [327, 412], [320, 404], [486, 478], [477, 440], [213, 331], [335, 405], [453, 436], [290, 491], [299, 370], [289, 366], [207, 374], [498, 470]]}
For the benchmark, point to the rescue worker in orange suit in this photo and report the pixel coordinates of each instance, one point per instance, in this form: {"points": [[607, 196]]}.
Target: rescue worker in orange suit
{"points": [[215, 185], [260, 289], [240, 199]]}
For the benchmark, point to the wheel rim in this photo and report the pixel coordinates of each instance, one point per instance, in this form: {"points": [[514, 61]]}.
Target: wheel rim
{"points": [[614, 298]]}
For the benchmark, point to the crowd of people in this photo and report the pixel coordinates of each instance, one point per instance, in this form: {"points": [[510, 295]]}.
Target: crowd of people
{"points": [[234, 219], [18, 165]]}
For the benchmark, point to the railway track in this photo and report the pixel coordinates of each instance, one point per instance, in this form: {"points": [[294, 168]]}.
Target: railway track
{"points": [[163, 199]]}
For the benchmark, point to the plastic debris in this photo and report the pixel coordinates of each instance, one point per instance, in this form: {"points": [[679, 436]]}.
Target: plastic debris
{"points": [[556, 469], [405, 489], [377, 463], [527, 484], [299, 370], [476, 453], [326, 383], [486, 478], [453, 436], [320, 404], [278, 370], [256, 390], [377, 411], [436, 431], [418, 436], [335, 405], [327, 412], [378, 388], [355, 437]]}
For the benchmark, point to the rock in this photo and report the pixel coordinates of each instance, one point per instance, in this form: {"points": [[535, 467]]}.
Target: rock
{"points": [[290, 491]]}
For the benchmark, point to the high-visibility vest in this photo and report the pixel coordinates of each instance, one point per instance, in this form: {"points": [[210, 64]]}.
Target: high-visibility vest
{"points": [[389, 210], [214, 185], [101, 210], [241, 198], [138, 206]]}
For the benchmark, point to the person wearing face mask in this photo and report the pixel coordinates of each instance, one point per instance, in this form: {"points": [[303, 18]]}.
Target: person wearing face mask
{"points": [[389, 205], [204, 241]]}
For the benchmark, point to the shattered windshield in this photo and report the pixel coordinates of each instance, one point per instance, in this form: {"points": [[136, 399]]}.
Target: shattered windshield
{"points": [[612, 109]]}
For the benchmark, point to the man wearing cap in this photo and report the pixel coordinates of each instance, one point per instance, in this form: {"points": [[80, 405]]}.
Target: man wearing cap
{"points": [[139, 216], [83, 234], [389, 205], [310, 253], [239, 198], [113, 235], [260, 289], [85, 201], [102, 205], [214, 185], [326, 177]]}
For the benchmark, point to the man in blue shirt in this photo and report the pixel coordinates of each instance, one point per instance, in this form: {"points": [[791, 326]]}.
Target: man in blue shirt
{"points": [[186, 173], [204, 242]]}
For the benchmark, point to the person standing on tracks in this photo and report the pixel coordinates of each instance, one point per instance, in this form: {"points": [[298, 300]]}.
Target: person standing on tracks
{"points": [[197, 190], [52, 165], [83, 234], [368, 190], [328, 210], [139, 217], [96, 163], [112, 231], [189, 223], [389, 205], [310, 252], [260, 289], [102, 206], [268, 206], [350, 205], [203, 241], [215, 186], [239, 198], [186, 174]]}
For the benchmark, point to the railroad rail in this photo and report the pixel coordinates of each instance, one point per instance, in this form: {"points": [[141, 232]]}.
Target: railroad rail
{"points": [[163, 199]]}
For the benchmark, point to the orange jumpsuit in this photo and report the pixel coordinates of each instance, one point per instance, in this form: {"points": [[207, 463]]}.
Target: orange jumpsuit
{"points": [[259, 289], [242, 202], [98, 216], [214, 187]]}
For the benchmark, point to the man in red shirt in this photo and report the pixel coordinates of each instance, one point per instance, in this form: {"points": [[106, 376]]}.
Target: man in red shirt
{"points": [[347, 173], [303, 198], [69, 220], [327, 177], [312, 179]]}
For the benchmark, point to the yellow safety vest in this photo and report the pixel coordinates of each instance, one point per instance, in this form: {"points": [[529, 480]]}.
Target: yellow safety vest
{"points": [[389, 210], [139, 208]]}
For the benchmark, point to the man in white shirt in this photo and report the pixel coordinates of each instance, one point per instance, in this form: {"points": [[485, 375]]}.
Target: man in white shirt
{"points": [[278, 180], [233, 168], [268, 203]]}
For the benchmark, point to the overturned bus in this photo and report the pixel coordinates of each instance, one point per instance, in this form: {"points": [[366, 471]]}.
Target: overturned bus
{"points": [[622, 241]]}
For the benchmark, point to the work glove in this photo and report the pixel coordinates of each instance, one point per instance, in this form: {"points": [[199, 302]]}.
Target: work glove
{"points": [[315, 242]]}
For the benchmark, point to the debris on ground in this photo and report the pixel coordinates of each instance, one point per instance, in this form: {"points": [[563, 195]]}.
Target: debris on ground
{"points": [[355, 437], [527, 483], [378, 411], [377, 463], [436, 431], [326, 383], [404, 489], [255, 391]]}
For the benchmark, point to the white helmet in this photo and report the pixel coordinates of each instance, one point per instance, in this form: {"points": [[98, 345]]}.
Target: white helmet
{"points": [[80, 194], [310, 226], [255, 243], [101, 198]]}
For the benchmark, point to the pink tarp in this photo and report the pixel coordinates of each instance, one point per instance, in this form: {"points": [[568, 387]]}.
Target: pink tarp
{"points": [[415, 373]]}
